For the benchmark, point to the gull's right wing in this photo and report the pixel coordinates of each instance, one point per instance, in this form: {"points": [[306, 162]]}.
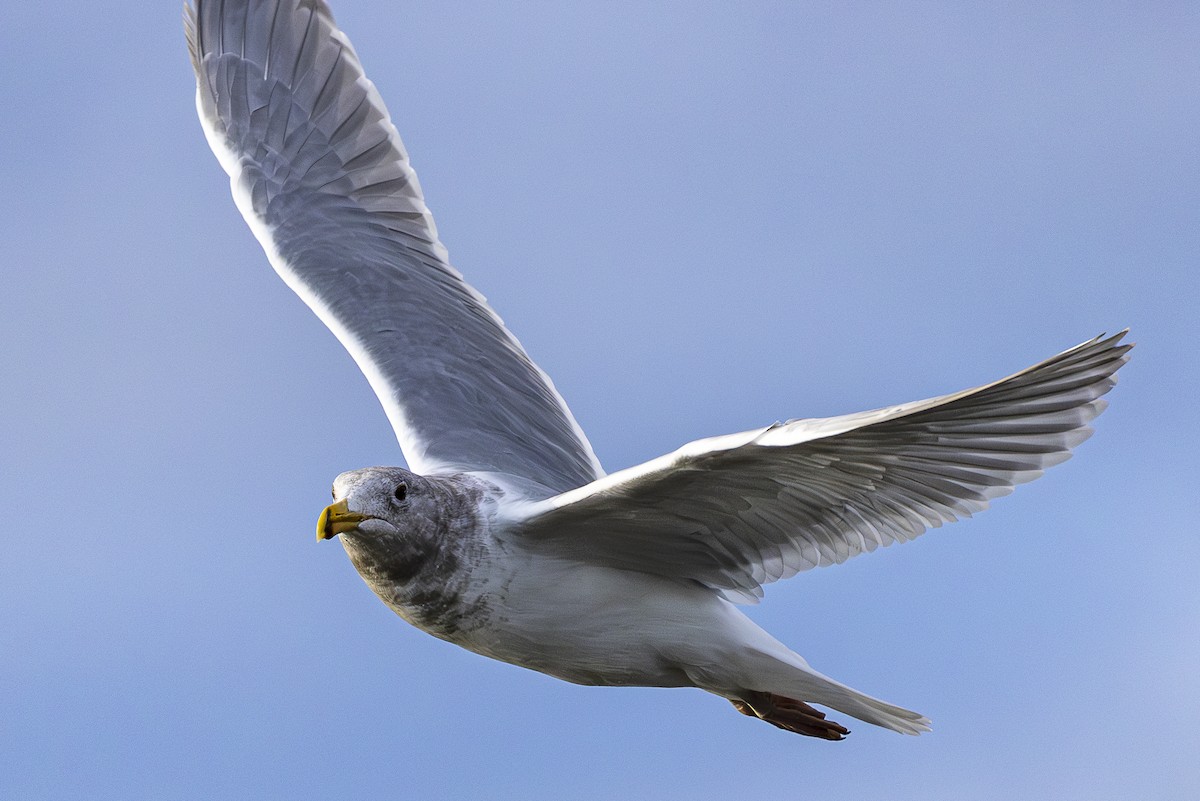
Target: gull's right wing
{"points": [[323, 180]]}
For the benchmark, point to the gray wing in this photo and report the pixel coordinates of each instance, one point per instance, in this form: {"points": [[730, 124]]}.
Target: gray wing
{"points": [[322, 178], [739, 511]]}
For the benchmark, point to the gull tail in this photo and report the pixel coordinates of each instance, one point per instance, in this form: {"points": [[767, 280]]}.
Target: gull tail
{"points": [[779, 684]]}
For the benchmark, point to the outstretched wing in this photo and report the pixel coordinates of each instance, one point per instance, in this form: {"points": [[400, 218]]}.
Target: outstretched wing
{"points": [[739, 511], [322, 178]]}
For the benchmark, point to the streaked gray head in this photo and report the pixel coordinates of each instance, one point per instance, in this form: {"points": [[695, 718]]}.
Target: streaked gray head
{"points": [[379, 502], [407, 536], [390, 522]]}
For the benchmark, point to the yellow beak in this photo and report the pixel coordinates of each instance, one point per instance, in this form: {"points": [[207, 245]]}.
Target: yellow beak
{"points": [[335, 519]]}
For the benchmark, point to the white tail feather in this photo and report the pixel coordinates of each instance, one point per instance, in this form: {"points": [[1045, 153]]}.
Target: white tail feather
{"points": [[789, 675]]}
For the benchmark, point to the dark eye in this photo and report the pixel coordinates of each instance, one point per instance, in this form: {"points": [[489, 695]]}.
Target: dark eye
{"points": [[401, 493], [333, 492]]}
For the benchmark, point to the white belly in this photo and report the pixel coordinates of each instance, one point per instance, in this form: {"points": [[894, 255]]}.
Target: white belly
{"points": [[601, 626]]}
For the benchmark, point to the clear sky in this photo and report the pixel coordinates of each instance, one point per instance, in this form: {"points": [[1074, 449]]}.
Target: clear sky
{"points": [[698, 218]]}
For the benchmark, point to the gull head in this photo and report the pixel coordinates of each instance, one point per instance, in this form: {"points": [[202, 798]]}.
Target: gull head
{"points": [[406, 535], [378, 502]]}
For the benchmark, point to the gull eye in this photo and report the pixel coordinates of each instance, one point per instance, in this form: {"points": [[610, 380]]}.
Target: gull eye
{"points": [[401, 493], [333, 492]]}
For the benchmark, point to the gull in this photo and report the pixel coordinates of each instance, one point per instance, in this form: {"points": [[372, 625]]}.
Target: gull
{"points": [[504, 535]]}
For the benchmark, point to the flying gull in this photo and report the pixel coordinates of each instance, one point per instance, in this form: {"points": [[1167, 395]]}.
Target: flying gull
{"points": [[504, 535]]}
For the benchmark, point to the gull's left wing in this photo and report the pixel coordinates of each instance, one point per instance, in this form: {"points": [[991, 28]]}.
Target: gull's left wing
{"points": [[739, 511], [323, 180]]}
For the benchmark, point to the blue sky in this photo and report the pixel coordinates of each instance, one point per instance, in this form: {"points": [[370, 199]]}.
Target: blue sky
{"points": [[698, 219]]}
